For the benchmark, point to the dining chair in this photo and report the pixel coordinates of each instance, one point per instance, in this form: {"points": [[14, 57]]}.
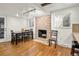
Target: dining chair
{"points": [[19, 37], [13, 37], [75, 48], [31, 34], [25, 35], [54, 35]]}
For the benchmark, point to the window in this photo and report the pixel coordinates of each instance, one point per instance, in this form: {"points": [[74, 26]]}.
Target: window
{"points": [[1, 27]]}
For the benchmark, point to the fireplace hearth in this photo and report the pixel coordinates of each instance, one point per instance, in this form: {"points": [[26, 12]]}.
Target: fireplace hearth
{"points": [[42, 33]]}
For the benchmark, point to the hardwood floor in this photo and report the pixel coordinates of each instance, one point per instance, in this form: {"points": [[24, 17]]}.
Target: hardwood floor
{"points": [[32, 48]]}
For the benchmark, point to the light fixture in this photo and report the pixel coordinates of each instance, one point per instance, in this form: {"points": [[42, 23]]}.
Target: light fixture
{"points": [[29, 11]]}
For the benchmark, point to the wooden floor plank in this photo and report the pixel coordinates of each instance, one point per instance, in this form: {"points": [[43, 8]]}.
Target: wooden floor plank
{"points": [[32, 48]]}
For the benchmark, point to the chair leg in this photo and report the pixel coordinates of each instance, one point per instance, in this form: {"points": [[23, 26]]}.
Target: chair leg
{"points": [[11, 41], [72, 51], [49, 42], [55, 44], [23, 39]]}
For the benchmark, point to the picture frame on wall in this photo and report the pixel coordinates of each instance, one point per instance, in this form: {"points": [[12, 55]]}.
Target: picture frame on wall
{"points": [[31, 24], [66, 21]]}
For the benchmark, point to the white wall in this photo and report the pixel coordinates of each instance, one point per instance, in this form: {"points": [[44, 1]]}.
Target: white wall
{"points": [[14, 23], [64, 34]]}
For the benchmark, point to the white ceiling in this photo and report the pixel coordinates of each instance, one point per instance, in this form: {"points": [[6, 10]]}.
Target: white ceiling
{"points": [[12, 8]]}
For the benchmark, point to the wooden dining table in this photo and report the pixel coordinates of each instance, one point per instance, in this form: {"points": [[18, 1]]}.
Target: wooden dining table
{"points": [[22, 33]]}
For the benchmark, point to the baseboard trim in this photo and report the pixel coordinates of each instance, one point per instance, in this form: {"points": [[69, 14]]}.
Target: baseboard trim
{"points": [[65, 46], [4, 41]]}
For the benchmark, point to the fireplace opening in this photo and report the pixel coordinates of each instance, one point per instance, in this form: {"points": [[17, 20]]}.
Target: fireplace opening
{"points": [[42, 33]]}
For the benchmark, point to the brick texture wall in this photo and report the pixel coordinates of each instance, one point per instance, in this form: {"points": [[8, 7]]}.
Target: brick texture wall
{"points": [[43, 23]]}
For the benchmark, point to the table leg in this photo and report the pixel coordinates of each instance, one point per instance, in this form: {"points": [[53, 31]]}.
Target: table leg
{"points": [[16, 39], [72, 51]]}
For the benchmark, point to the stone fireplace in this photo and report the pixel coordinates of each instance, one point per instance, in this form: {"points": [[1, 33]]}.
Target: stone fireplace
{"points": [[43, 27]]}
